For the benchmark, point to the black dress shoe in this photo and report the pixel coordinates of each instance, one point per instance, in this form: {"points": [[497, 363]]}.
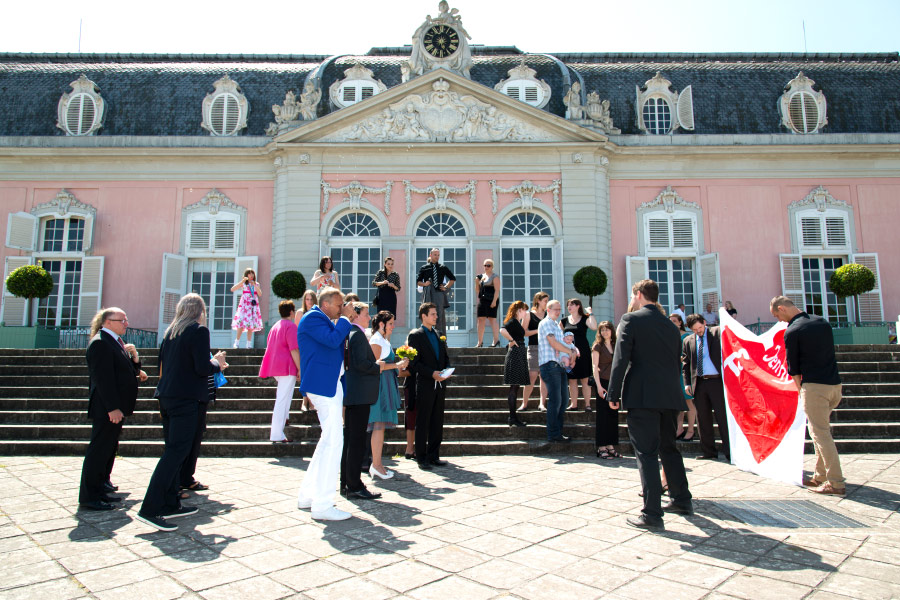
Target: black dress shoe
{"points": [[678, 509], [707, 457], [363, 494], [425, 466], [642, 522], [96, 505], [108, 498], [344, 491], [438, 462], [561, 439], [109, 487], [410, 456]]}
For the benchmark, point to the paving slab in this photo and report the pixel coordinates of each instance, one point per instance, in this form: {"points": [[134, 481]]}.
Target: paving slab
{"points": [[516, 527]]}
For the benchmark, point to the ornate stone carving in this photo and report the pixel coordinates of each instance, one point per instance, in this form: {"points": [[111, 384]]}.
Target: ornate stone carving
{"points": [[309, 101], [598, 113], [213, 201], [72, 112], [797, 104], [669, 199], [440, 116], [577, 158], [820, 198], [278, 161], [65, 203], [356, 73], [459, 60], [303, 159], [572, 100], [528, 76], [440, 194], [288, 112], [526, 192], [223, 86], [355, 191]]}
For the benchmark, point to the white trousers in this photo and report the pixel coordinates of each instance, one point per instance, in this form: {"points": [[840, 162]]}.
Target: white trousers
{"points": [[282, 405], [322, 474]]}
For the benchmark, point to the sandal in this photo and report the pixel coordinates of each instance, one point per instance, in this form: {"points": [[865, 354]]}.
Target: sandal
{"points": [[184, 495], [613, 453], [604, 454], [197, 487]]}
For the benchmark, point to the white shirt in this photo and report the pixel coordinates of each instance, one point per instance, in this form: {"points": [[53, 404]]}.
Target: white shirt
{"points": [[678, 311], [385, 345], [114, 335]]}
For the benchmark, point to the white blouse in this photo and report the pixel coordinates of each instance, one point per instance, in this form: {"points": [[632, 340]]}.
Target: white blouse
{"points": [[385, 345]]}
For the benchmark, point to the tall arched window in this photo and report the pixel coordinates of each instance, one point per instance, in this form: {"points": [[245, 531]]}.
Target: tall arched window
{"points": [[440, 225], [526, 257], [447, 233], [356, 253]]}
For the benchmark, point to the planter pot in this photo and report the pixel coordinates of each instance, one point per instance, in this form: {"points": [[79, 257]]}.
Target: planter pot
{"points": [[27, 338], [854, 334]]}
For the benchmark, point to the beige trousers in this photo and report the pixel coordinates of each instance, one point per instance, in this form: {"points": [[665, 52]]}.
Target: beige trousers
{"points": [[818, 402]]}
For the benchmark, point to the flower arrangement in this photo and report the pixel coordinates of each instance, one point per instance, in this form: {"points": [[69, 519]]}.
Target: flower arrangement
{"points": [[408, 352], [443, 338]]}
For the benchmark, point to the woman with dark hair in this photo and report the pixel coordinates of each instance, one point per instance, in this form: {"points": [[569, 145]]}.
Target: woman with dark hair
{"points": [[680, 432], [184, 369], [578, 323], [387, 280], [532, 320], [607, 423], [326, 276], [307, 301], [383, 414], [515, 369], [248, 316]]}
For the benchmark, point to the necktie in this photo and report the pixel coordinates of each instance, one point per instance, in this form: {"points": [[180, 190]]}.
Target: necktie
{"points": [[122, 344], [699, 356], [434, 275]]}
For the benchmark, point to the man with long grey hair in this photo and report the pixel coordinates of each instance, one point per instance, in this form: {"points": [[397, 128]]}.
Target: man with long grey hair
{"points": [[184, 369]]}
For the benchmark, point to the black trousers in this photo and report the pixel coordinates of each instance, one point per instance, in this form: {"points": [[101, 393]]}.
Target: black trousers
{"points": [[190, 463], [606, 431], [356, 419], [709, 398], [652, 433], [179, 417], [99, 458], [429, 421]]}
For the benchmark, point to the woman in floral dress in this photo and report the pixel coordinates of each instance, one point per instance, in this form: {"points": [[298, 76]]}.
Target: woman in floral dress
{"points": [[247, 317]]}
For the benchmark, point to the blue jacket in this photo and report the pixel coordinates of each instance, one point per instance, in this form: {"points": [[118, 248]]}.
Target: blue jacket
{"points": [[321, 345]]}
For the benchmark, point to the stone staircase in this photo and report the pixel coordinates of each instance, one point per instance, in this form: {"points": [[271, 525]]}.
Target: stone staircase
{"points": [[43, 400]]}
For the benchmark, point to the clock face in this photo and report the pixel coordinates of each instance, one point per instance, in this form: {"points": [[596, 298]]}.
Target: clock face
{"points": [[441, 41]]}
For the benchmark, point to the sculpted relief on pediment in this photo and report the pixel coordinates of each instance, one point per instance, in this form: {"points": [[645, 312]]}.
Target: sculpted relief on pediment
{"points": [[440, 115]]}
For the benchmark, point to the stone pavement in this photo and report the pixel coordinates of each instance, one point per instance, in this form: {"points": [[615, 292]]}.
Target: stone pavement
{"points": [[530, 527]]}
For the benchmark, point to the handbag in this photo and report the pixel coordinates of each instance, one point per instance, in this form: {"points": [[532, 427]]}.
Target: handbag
{"points": [[219, 379]]}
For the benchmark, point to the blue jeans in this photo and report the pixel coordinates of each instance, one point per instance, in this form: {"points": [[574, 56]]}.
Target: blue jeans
{"points": [[554, 375]]}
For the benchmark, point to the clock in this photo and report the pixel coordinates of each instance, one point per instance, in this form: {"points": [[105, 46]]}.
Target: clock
{"points": [[441, 41]]}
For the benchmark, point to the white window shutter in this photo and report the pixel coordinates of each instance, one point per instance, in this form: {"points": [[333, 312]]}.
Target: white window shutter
{"points": [[636, 269], [792, 279], [199, 235], [685, 109], [710, 280], [559, 276], [871, 307], [91, 289], [811, 233], [658, 233], [173, 286], [245, 262], [683, 233], [225, 237], [13, 312], [88, 239], [21, 231], [836, 232]]}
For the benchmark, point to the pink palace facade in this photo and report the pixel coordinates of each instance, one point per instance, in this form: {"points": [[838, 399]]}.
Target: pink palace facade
{"points": [[137, 178]]}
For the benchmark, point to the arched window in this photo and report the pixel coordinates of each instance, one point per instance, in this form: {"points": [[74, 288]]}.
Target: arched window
{"points": [[803, 109], [356, 224], [526, 223], [80, 112], [440, 225], [225, 110]]}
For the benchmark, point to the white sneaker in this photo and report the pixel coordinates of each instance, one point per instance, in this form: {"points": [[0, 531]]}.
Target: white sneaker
{"points": [[249, 345], [373, 473], [236, 342], [304, 503], [332, 514]]}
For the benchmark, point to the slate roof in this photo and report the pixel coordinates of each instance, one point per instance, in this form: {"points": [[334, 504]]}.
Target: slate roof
{"points": [[156, 95]]}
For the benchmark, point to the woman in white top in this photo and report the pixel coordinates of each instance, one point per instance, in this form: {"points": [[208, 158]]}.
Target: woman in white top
{"points": [[326, 276], [383, 414]]}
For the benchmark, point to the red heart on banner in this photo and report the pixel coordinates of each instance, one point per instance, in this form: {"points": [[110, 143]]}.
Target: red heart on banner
{"points": [[761, 395]]}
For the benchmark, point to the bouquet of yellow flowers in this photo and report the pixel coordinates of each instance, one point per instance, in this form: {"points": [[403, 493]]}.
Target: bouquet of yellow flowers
{"points": [[405, 351]]}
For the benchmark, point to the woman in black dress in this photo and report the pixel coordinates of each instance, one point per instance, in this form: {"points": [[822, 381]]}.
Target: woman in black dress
{"points": [[387, 280], [515, 371], [607, 428], [487, 290], [532, 321], [578, 322]]}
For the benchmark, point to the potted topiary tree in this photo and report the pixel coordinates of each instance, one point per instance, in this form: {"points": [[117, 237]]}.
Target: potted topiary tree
{"points": [[29, 282], [289, 285], [849, 281], [590, 282]]}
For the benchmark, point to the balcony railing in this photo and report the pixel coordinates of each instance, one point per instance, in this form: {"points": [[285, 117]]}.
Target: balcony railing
{"points": [[78, 337]]}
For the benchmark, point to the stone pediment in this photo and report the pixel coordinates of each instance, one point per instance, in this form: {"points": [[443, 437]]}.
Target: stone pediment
{"points": [[440, 107]]}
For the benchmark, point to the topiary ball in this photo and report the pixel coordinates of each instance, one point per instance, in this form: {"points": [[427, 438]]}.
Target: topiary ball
{"points": [[851, 280], [590, 281], [30, 281], [289, 285]]}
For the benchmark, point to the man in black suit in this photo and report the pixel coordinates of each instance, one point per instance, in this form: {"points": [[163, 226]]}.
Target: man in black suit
{"points": [[645, 376], [702, 367], [430, 387], [362, 379], [114, 368], [431, 278]]}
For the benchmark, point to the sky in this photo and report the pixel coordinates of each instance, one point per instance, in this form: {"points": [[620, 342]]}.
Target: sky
{"points": [[355, 26]]}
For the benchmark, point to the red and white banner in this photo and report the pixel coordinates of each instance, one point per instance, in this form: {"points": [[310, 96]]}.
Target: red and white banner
{"points": [[766, 422]]}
